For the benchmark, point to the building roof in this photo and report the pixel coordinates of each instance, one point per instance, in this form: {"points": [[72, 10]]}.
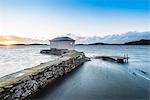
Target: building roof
{"points": [[62, 39]]}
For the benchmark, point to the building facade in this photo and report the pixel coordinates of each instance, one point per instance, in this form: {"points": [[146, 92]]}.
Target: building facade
{"points": [[62, 43]]}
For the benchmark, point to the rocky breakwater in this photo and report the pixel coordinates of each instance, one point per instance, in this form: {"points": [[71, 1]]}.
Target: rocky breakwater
{"points": [[54, 51], [28, 82]]}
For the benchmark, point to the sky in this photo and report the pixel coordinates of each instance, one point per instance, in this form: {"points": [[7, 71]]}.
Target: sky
{"points": [[46, 19]]}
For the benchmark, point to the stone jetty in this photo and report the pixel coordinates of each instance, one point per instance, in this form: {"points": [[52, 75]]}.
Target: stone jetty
{"points": [[117, 59], [54, 51], [24, 84]]}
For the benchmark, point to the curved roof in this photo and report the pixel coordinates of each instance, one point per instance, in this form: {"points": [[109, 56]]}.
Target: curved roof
{"points": [[62, 39]]}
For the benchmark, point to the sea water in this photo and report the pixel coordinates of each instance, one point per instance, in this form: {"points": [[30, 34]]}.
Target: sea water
{"points": [[139, 56], [104, 80], [94, 80], [16, 58]]}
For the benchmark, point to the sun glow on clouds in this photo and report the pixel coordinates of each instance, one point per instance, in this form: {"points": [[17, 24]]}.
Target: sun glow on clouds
{"points": [[8, 43], [8, 40]]}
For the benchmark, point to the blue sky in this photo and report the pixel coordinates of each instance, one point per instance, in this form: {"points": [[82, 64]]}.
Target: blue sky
{"points": [[50, 18]]}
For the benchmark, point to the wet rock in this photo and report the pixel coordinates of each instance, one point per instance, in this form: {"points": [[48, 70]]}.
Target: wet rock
{"points": [[144, 72], [1, 89]]}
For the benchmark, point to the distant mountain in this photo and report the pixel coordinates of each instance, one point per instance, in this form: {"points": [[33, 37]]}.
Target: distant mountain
{"points": [[99, 44], [140, 42], [36, 44]]}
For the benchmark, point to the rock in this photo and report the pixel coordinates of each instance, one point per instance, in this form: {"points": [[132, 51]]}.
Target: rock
{"points": [[26, 93], [48, 74], [54, 51], [7, 97], [1, 90]]}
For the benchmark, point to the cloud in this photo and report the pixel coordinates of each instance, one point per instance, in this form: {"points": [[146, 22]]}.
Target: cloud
{"points": [[117, 38], [21, 40]]}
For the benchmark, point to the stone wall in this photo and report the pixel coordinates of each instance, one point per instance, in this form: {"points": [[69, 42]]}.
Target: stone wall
{"points": [[33, 80], [54, 51]]}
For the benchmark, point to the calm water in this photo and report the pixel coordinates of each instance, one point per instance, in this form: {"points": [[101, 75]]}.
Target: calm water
{"points": [[95, 80], [139, 56], [16, 58], [102, 80]]}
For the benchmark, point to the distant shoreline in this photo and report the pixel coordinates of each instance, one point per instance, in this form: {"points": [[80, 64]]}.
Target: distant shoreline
{"points": [[23, 44], [139, 42]]}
